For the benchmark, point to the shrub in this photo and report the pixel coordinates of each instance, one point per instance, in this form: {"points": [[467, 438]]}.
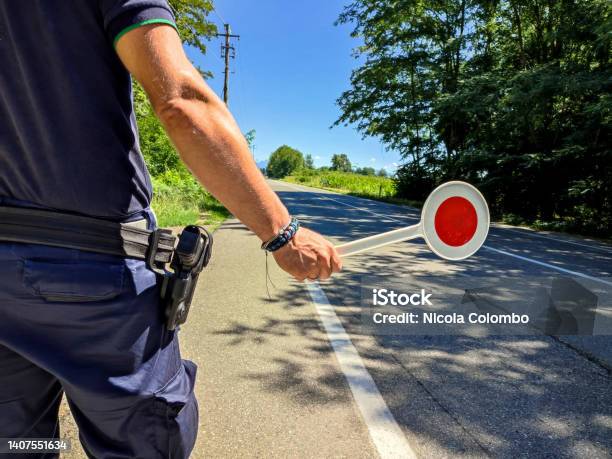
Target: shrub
{"points": [[284, 161]]}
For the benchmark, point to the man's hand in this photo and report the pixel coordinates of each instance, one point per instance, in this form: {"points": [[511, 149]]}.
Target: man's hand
{"points": [[308, 256]]}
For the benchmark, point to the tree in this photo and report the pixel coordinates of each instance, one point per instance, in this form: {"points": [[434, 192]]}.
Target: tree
{"points": [[284, 161], [511, 95], [341, 163], [250, 139], [382, 173], [309, 162]]}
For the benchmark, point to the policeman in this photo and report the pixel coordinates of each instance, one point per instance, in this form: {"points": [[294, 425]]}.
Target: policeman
{"points": [[88, 324]]}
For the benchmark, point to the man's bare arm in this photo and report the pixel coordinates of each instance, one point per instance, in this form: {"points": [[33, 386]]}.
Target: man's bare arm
{"points": [[212, 146], [199, 124]]}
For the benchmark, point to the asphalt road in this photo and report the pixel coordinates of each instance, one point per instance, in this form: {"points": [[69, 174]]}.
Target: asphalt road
{"points": [[271, 384], [453, 396]]}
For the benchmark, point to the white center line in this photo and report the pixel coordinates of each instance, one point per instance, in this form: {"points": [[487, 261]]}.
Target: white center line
{"points": [[386, 434], [503, 252]]}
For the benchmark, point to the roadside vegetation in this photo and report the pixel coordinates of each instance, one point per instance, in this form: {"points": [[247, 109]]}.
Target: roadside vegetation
{"points": [[513, 96], [180, 200], [368, 186], [291, 165]]}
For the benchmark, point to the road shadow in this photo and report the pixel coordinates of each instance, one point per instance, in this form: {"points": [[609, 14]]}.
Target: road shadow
{"points": [[502, 396]]}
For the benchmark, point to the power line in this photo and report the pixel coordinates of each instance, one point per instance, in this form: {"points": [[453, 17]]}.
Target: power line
{"points": [[218, 15]]}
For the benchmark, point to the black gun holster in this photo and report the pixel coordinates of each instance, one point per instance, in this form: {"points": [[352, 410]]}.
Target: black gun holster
{"points": [[190, 257]]}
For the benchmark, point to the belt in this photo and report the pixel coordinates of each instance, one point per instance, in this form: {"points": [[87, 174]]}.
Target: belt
{"points": [[58, 229]]}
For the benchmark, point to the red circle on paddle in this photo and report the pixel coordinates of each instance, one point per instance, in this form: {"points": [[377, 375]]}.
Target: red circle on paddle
{"points": [[456, 221]]}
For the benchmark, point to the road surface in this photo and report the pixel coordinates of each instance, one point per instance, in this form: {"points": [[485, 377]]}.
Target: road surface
{"points": [[293, 374]]}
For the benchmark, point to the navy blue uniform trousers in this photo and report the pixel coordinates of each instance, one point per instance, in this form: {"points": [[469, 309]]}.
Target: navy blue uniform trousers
{"points": [[90, 326]]}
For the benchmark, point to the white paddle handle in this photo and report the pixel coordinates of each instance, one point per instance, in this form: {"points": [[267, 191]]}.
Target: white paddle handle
{"points": [[379, 240]]}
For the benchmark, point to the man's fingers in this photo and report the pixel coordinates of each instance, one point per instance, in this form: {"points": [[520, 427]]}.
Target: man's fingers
{"points": [[314, 273], [336, 261], [310, 258], [325, 267]]}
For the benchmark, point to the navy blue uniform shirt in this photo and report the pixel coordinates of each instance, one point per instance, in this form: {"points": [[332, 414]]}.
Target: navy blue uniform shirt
{"points": [[68, 135]]}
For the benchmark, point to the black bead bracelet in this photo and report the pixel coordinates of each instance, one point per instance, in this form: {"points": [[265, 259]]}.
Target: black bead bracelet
{"points": [[284, 236]]}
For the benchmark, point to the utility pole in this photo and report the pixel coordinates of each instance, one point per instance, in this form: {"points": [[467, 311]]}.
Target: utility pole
{"points": [[227, 51]]}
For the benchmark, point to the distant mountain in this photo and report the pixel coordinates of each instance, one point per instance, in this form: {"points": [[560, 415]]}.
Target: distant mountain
{"points": [[262, 164]]}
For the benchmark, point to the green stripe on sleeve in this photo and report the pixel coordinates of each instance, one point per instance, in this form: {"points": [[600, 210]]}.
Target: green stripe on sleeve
{"points": [[140, 24]]}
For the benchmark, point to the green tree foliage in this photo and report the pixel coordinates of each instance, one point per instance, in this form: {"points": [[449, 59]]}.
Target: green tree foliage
{"points": [[382, 173], [284, 161], [309, 162], [341, 163], [365, 171], [250, 140], [511, 95]]}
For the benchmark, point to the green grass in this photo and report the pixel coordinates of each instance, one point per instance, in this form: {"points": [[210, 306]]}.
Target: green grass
{"points": [[364, 186], [183, 211], [179, 200]]}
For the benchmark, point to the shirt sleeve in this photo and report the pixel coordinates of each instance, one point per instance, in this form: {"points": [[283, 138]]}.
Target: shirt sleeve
{"points": [[121, 16]]}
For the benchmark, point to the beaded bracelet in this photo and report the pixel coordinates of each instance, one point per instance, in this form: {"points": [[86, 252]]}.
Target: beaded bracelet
{"points": [[283, 237]]}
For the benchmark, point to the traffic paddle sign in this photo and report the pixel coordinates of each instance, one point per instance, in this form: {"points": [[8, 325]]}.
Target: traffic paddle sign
{"points": [[454, 223]]}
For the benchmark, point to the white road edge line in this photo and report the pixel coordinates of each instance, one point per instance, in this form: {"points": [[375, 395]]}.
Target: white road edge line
{"points": [[503, 252], [388, 438]]}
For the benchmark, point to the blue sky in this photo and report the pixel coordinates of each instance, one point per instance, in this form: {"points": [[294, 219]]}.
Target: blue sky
{"points": [[292, 64]]}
